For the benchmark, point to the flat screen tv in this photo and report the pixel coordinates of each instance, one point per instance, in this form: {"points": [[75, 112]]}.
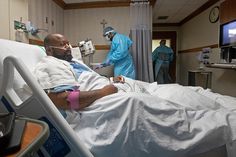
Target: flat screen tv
{"points": [[228, 34]]}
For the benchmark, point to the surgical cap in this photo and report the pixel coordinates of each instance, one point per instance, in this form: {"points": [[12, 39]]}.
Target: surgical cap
{"points": [[108, 30]]}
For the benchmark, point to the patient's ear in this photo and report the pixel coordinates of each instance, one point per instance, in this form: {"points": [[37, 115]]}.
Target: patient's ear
{"points": [[48, 51]]}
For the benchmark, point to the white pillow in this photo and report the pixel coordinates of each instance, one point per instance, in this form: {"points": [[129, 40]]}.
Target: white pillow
{"points": [[75, 51], [29, 54]]}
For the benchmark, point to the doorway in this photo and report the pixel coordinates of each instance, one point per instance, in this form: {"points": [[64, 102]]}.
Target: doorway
{"points": [[170, 37]]}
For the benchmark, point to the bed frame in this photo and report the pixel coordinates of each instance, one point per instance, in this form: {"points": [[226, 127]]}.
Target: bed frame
{"points": [[217, 152], [62, 141]]}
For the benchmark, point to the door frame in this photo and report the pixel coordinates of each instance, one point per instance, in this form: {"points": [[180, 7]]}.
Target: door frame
{"points": [[172, 35]]}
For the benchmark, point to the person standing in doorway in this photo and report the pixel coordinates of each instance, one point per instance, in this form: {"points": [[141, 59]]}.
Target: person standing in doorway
{"points": [[162, 56], [119, 54]]}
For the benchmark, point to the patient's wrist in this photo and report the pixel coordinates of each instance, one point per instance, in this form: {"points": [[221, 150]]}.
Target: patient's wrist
{"points": [[73, 99]]}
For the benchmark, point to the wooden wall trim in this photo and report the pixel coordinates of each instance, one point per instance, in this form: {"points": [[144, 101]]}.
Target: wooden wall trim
{"points": [[153, 2], [191, 16], [36, 42], [97, 47], [102, 47], [60, 3], [197, 49], [104, 4], [166, 24], [99, 4], [199, 10]]}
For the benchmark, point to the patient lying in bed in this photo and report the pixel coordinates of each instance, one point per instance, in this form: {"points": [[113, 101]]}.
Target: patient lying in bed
{"points": [[57, 74], [134, 118]]}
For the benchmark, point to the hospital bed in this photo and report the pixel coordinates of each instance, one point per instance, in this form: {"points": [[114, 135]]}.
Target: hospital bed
{"points": [[34, 103], [16, 62]]}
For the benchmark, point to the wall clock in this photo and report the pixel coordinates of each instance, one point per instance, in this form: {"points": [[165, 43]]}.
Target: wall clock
{"points": [[214, 14]]}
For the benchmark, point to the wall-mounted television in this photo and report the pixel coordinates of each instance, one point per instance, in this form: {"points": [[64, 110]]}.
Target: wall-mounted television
{"points": [[228, 34]]}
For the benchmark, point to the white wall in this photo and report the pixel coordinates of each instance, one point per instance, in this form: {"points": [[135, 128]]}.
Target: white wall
{"points": [[200, 32], [4, 18], [11, 10], [18, 12], [42, 13], [82, 24]]}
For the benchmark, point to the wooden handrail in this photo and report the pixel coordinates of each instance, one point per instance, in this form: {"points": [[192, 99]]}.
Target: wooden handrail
{"points": [[36, 42], [40, 43], [197, 49]]}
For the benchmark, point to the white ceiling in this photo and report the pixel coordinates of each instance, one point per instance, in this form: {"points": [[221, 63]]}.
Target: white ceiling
{"points": [[176, 10]]}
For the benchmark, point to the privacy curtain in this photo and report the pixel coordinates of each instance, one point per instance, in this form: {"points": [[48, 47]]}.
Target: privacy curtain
{"points": [[141, 35]]}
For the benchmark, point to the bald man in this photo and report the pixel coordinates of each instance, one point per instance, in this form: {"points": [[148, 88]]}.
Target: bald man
{"points": [[64, 91]]}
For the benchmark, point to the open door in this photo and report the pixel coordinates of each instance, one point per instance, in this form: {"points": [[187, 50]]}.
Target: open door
{"points": [[170, 36]]}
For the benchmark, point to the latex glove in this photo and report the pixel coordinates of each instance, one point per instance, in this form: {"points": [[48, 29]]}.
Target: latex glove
{"points": [[102, 65], [98, 66], [107, 63]]}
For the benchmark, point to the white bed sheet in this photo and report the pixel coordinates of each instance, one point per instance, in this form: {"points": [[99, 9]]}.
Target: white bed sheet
{"points": [[163, 120], [158, 120]]}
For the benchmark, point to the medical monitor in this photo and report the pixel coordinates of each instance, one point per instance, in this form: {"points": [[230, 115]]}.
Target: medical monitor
{"points": [[228, 34]]}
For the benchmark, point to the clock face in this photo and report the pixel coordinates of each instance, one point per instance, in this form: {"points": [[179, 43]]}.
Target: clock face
{"points": [[214, 14]]}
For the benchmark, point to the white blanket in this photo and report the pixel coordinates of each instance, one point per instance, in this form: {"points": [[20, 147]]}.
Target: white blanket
{"points": [[51, 72], [146, 120]]}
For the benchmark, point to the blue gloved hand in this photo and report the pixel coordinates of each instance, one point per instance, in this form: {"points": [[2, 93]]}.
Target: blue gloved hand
{"points": [[102, 65], [98, 66], [107, 63]]}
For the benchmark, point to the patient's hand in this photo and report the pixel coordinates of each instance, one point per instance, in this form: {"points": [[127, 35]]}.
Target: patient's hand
{"points": [[109, 89], [118, 79]]}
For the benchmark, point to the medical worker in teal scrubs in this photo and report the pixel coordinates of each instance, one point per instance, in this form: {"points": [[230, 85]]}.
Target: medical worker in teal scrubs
{"points": [[119, 54], [161, 57]]}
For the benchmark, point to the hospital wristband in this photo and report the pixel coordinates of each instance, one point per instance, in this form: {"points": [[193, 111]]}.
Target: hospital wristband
{"points": [[73, 99]]}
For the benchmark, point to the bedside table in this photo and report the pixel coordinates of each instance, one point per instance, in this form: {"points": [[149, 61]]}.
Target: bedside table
{"points": [[199, 78], [35, 134]]}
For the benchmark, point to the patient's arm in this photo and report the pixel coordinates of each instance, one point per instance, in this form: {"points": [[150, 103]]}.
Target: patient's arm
{"points": [[86, 98]]}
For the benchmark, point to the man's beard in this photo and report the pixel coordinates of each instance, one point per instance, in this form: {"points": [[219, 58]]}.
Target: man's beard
{"points": [[67, 56]]}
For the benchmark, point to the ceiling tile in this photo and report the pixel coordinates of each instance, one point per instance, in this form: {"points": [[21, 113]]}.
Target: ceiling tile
{"points": [[176, 10]]}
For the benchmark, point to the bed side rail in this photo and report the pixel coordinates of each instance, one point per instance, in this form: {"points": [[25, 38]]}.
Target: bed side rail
{"points": [[39, 106]]}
